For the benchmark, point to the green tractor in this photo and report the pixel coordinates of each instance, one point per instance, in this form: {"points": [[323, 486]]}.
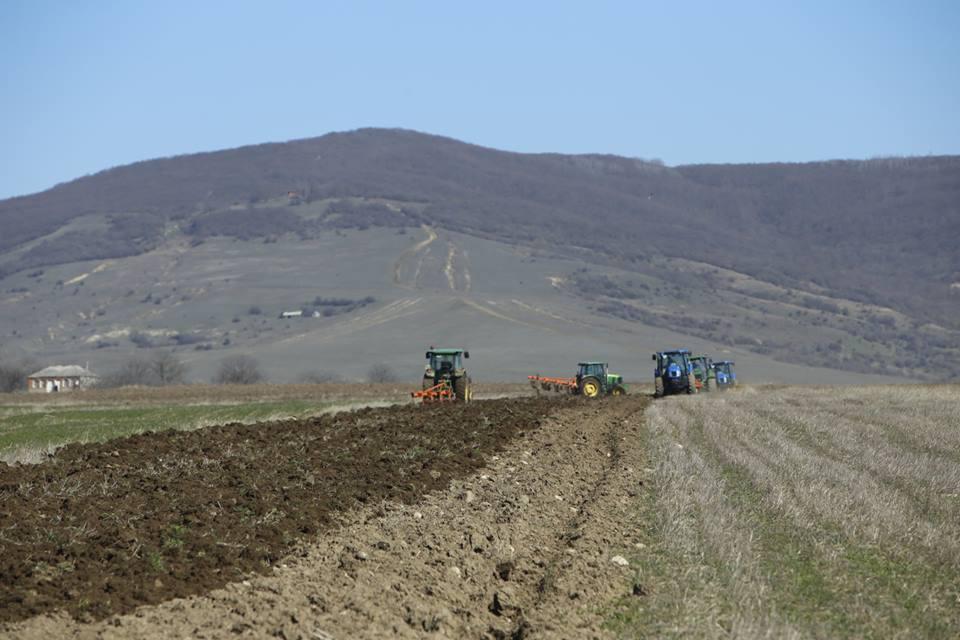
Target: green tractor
{"points": [[703, 373], [593, 379], [445, 370]]}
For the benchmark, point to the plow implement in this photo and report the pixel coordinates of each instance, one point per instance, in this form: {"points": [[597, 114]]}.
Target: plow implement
{"points": [[560, 385], [442, 392]]}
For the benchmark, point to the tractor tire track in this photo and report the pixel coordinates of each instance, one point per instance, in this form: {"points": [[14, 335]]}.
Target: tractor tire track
{"points": [[448, 270], [413, 252]]}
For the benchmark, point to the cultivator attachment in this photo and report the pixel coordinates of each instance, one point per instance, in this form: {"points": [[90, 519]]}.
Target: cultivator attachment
{"points": [[442, 392], [560, 385], [593, 380]]}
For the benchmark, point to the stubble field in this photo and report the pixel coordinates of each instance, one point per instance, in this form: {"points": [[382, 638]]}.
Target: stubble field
{"points": [[803, 512]]}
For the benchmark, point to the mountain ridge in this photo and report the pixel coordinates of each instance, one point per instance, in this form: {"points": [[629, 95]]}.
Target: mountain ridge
{"points": [[833, 251]]}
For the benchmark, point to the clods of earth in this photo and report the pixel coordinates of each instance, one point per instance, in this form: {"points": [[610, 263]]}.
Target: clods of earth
{"points": [[495, 518]]}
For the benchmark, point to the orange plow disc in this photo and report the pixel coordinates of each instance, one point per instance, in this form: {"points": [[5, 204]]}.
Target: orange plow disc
{"points": [[560, 385], [437, 393]]}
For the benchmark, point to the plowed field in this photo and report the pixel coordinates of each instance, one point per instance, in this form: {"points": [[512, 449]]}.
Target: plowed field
{"points": [[102, 529]]}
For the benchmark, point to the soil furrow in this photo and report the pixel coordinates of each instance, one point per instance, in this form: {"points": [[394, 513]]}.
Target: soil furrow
{"points": [[524, 546], [101, 529]]}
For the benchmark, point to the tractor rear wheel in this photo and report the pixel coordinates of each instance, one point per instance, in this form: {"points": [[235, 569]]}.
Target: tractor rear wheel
{"points": [[708, 385], [691, 384], [658, 387], [618, 391], [590, 387], [427, 382], [461, 387]]}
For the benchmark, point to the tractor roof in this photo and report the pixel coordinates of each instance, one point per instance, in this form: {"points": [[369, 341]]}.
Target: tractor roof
{"points": [[723, 362], [676, 351], [446, 352], [589, 362]]}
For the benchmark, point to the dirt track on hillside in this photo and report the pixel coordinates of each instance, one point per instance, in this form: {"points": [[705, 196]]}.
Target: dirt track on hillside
{"points": [[500, 519]]}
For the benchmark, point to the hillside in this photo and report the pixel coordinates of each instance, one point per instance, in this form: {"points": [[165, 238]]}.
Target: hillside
{"points": [[849, 265]]}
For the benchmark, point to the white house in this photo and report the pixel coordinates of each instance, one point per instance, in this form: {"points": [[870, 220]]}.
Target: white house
{"points": [[61, 378]]}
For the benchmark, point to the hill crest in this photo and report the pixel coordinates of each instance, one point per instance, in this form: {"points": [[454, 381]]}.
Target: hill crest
{"points": [[816, 242]]}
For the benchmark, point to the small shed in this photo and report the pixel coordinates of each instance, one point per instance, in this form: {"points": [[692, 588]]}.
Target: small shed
{"points": [[61, 378]]}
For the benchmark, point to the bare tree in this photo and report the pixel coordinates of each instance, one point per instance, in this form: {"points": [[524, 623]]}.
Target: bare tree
{"points": [[13, 374], [239, 370], [381, 373], [168, 369], [135, 371]]}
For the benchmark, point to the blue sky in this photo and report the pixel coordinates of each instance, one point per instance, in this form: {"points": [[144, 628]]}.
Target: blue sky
{"points": [[89, 85]]}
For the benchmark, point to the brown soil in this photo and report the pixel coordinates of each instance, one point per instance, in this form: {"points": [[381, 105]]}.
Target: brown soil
{"points": [[103, 528], [498, 519]]}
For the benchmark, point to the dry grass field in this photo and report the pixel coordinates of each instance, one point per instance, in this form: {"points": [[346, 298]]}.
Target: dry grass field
{"points": [[801, 512]]}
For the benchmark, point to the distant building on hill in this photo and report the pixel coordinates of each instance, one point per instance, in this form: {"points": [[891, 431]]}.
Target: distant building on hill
{"points": [[61, 378], [291, 314]]}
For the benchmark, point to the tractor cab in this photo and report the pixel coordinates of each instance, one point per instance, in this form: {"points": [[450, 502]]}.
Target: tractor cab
{"points": [[674, 373], [445, 366], [723, 369], [446, 361], [703, 373], [594, 379], [595, 369]]}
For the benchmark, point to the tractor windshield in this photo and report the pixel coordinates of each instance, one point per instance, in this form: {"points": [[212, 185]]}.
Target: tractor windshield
{"points": [[591, 369], [723, 368], [678, 359], [445, 361]]}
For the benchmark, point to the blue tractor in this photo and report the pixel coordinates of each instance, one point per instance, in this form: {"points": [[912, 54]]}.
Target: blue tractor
{"points": [[674, 373], [726, 378]]}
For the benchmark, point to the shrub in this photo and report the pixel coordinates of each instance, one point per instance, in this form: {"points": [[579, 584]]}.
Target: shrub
{"points": [[167, 369], [136, 371], [162, 369], [381, 373], [239, 369], [13, 375], [141, 340]]}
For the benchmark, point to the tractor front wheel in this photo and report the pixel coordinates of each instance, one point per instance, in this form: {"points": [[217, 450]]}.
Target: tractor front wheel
{"points": [[618, 391], [658, 387], [590, 387], [708, 385]]}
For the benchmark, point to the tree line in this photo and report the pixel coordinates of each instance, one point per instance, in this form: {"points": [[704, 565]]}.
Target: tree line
{"points": [[165, 369]]}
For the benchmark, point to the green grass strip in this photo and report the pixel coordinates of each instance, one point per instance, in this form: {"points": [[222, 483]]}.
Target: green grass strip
{"points": [[44, 427]]}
